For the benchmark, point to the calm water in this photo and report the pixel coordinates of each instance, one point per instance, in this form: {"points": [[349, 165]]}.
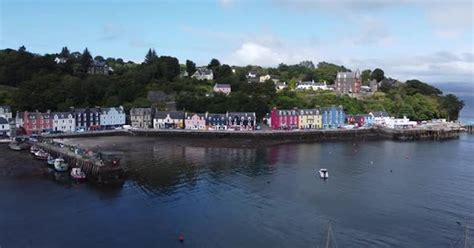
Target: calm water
{"points": [[239, 195]]}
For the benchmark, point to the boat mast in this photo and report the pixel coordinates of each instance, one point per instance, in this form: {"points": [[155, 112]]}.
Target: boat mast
{"points": [[465, 236]]}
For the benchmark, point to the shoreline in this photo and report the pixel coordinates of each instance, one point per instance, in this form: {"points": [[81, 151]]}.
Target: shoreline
{"points": [[281, 135]]}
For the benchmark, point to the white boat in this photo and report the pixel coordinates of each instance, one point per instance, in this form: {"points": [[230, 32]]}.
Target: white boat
{"points": [[323, 173], [78, 174], [50, 160], [60, 165]]}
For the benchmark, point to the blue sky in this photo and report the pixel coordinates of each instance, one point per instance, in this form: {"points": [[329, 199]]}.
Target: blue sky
{"points": [[429, 40]]}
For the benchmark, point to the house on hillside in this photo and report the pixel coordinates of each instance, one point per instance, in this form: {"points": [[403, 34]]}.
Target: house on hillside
{"points": [[99, 67], [195, 121], [348, 82], [6, 112], [264, 78], [284, 119], [111, 118], [241, 121], [311, 85], [222, 88], [203, 73], [141, 117], [168, 120], [252, 77], [64, 122], [280, 86]]}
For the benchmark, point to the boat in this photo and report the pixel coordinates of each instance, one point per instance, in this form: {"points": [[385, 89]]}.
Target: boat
{"points": [[50, 160], [323, 173], [18, 146], [41, 155], [34, 149], [78, 174], [60, 165]]}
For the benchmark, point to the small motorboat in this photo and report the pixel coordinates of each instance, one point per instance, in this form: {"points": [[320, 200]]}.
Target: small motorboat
{"points": [[78, 174], [323, 173], [60, 165], [50, 160], [41, 155], [18, 146], [34, 150]]}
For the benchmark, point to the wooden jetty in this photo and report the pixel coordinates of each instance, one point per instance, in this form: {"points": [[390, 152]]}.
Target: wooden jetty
{"points": [[99, 170]]}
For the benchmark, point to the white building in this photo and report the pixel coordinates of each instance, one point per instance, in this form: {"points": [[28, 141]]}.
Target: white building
{"points": [[280, 86], [64, 122], [400, 123], [264, 78], [4, 127], [168, 120], [311, 85], [112, 117], [6, 112], [203, 74], [222, 88]]}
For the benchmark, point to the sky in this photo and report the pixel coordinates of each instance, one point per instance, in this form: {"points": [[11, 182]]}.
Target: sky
{"points": [[430, 40]]}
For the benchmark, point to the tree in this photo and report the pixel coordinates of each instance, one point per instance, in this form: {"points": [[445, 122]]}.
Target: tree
{"points": [[214, 64], [365, 76], [452, 106], [99, 58], [222, 72], [85, 60], [377, 74], [328, 72], [64, 53], [190, 67], [151, 56], [22, 49], [416, 86]]}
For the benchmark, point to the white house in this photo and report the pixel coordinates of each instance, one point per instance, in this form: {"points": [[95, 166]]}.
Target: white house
{"points": [[400, 123], [311, 85], [168, 120], [4, 127], [280, 86], [112, 117], [6, 112], [203, 74], [265, 78], [380, 118], [222, 88], [64, 121]]}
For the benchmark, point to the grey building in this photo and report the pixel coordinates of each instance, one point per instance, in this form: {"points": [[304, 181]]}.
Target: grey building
{"points": [[141, 117], [348, 82]]}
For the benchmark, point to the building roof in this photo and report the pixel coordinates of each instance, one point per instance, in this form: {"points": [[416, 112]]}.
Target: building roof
{"points": [[215, 115], [62, 115], [6, 108], [140, 111], [242, 114], [309, 111], [173, 114], [3, 120], [380, 114], [107, 110], [348, 74], [198, 114], [222, 86], [203, 71]]}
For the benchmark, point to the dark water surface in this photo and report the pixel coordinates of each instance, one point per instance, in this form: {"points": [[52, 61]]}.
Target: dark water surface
{"points": [[228, 194]]}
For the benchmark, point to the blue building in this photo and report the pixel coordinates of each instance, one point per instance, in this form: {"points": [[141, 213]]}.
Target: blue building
{"points": [[333, 117], [369, 120]]}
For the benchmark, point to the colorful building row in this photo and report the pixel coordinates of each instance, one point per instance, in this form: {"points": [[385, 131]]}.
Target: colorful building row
{"points": [[317, 118]]}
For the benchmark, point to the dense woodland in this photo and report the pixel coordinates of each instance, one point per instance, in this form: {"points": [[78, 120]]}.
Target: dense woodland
{"points": [[31, 81]]}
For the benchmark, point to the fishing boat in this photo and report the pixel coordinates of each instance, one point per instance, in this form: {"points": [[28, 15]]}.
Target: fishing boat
{"points": [[323, 173], [78, 174], [18, 146], [41, 155], [60, 165], [34, 150], [50, 160]]}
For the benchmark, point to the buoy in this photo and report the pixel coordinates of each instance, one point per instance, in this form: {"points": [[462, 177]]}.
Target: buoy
{"points": [[390, 170], [181, 237], [371, 162]]}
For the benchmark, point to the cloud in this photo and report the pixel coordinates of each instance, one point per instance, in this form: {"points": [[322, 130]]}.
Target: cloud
{"points": [[450, 20], [226, 3], [140, 43]]}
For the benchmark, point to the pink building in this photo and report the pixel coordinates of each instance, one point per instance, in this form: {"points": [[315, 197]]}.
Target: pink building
{"points": [[222, 88], [36, 122], [284, 119], [195, 121]]}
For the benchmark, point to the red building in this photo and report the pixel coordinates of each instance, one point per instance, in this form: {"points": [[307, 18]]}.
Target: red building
{"points": [[36, 122], [284, 119], [356, 120]]}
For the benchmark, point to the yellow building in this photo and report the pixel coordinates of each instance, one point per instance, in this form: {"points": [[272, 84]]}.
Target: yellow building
{"points": [[310, 119]]}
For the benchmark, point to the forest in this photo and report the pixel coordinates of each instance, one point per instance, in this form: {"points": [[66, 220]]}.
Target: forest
{"points": [[30, 81]]}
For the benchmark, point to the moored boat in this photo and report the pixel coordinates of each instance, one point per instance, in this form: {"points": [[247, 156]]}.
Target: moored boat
{"points": [[323, 173], [78, 174], [60, 165], [18, 146], [41, 155], [34, 149], [50, 160]]}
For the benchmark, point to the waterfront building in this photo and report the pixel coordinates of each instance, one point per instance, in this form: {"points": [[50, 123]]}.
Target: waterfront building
{"points": [[203, 73], [37, 122], [168, 120], [400, 123], [87, 118], [311, 85], [222, 88], [195, 121], [141, 117], [284, 119], [369, 120], [310, 119], [333, 117], [348, 82], [356, 120], [380, 118], [241, 121], [216, 121], [64, 122], [6, 112], [4, 127], [112, 117]]}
